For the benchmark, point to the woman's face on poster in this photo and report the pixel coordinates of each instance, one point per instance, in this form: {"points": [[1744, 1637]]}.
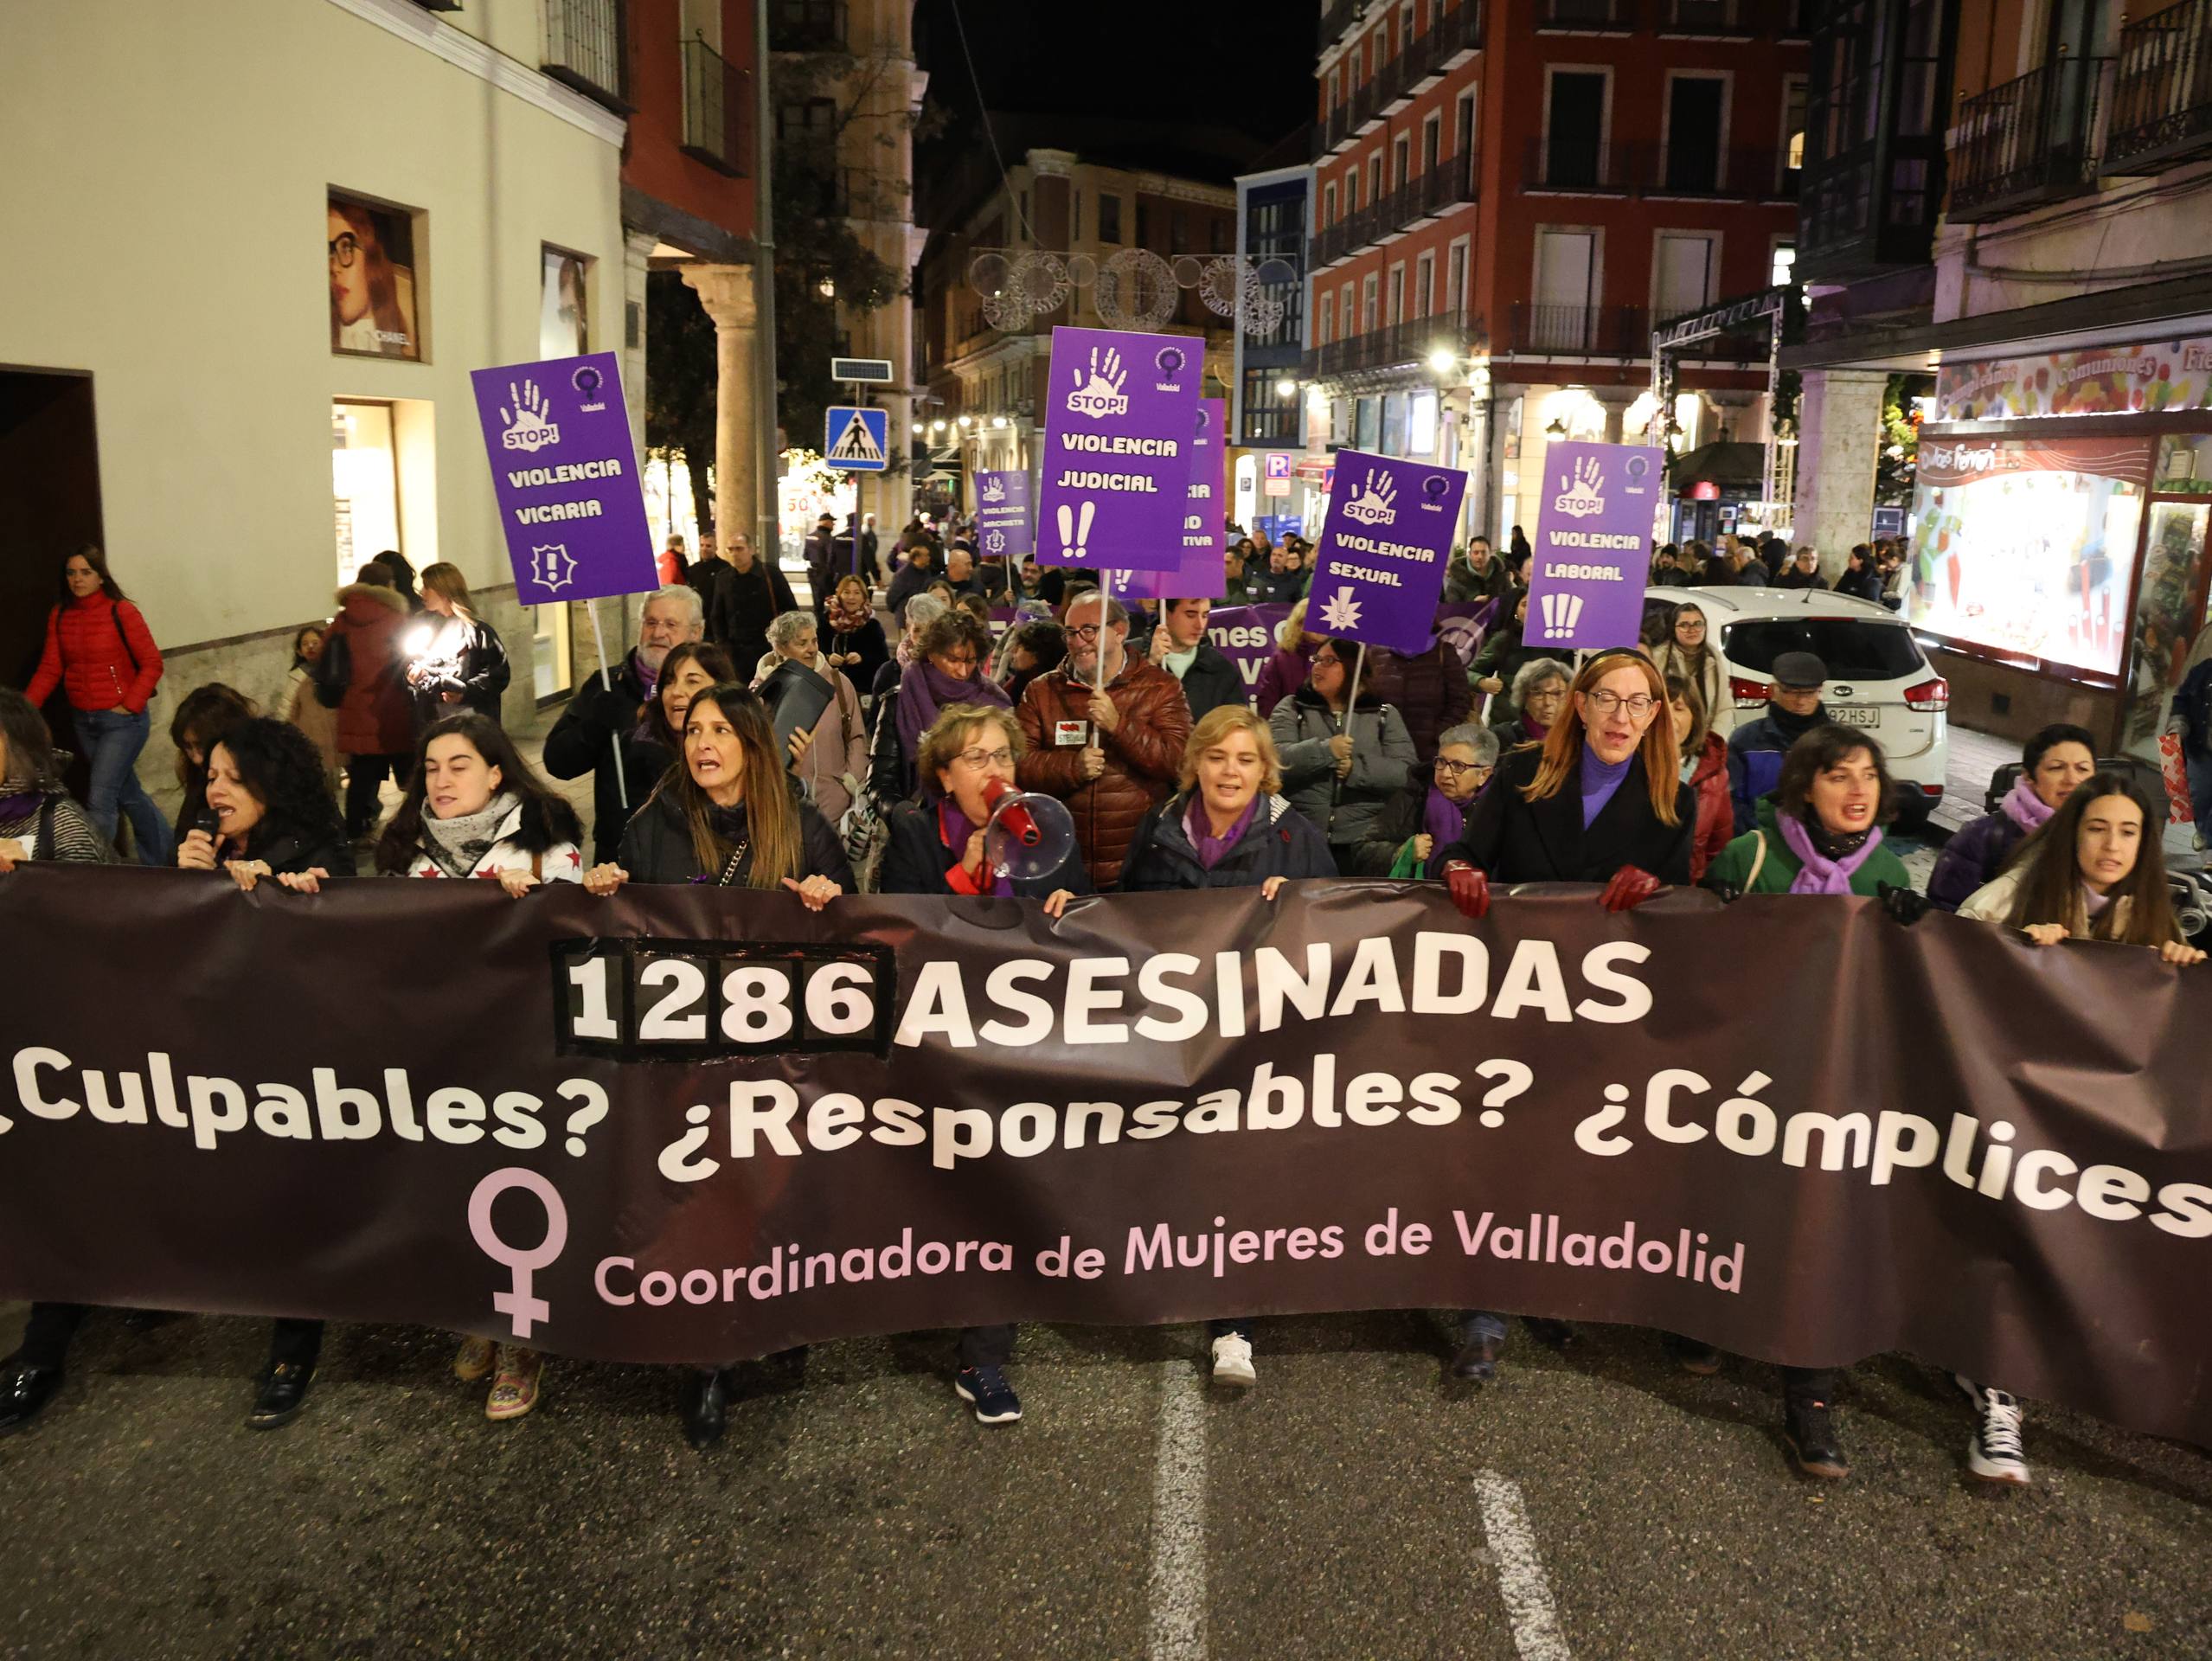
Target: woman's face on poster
{"points": [[348, 270]]}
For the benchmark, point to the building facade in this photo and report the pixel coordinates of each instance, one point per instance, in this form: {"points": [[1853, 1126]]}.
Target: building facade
{"points": [[237, 434], [1274, 209], [2062, 304], [1511, 194]]}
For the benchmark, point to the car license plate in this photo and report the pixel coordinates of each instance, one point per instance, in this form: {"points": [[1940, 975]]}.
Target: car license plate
{"points": [[1854, 715]]}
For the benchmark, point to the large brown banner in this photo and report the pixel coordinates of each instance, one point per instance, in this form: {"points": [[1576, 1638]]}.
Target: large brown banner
{"points": [[685, 1124]]}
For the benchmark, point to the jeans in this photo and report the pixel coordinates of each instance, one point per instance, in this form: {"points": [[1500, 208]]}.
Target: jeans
{"points": [[364, 777], [2200, 791], [986, 1346], [112, 742]]}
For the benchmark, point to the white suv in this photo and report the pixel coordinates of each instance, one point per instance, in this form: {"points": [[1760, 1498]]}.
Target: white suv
{"points": [[1878, 677]]}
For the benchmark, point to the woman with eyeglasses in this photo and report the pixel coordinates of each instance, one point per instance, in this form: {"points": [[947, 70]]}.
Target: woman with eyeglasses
{"points": [[1539, 693], [938, 846], [1688, 651], [1340, 765], [1601, 800], [1409, 835]]}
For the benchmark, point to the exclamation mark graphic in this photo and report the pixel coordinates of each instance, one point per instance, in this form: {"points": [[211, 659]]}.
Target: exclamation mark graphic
{"points": [[1551, 615], [1083, 531], [1574, 609], [1067, 530]]}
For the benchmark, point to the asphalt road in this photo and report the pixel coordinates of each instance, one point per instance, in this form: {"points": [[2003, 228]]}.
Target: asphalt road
{"points": [[1592, 1503]]}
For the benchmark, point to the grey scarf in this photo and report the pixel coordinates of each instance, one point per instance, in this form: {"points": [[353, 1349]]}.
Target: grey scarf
{"points": [[456, 845]]}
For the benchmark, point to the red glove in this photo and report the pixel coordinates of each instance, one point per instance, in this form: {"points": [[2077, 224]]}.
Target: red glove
{"points": [[1470, 889], [1629, 888]]}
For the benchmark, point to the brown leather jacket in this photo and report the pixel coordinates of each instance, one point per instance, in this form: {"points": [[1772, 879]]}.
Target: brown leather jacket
{"points": [[1143, 755]]}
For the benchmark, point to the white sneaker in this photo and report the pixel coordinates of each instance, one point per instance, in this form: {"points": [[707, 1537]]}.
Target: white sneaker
{"points": [[1997, 1451], [1232, 1362]]}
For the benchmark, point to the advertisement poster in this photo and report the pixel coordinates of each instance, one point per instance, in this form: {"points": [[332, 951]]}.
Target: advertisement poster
{"points": [[2027, 549], [1117, 449], [1002, 516], [372, 280], [1594, 513], [564, 306], [2129, 379], [1203, 574], [1379, 565], [565, 472]]}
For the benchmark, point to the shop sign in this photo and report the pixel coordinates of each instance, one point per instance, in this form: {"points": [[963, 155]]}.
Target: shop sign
{"points": [[2137, 378]]}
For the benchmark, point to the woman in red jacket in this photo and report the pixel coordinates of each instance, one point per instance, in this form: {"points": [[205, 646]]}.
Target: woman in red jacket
{"points": [[100, 653], [1705, 770]]}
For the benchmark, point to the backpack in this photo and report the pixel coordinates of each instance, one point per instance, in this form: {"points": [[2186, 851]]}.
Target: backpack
{"points": [[332, 671]]}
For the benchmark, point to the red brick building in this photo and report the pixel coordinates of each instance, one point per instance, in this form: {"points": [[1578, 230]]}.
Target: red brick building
{"points": [[1509, 194]]}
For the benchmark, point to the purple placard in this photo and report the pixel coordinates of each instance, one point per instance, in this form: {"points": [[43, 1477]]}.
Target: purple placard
{"points": [[1117, 449], [1203, 571], [1384, 545], [565, 473], [1246, 636], [1002, 516], [1594, 513]]}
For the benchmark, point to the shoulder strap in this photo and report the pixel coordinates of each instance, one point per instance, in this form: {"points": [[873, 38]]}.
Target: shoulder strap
{"points": [[42, 837], [122, 635], [1758, 859], [537, 865]]}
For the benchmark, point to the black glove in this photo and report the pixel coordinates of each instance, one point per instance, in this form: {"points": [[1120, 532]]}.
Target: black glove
{"points": [[1727, 892], [1903, 905]]}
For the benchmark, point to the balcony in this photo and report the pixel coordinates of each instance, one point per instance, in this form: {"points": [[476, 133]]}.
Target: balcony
{"points": [[2028, 141], [1333, 132], [1580, 331], [807, 25], [1580, 164], [2162, 89], [1397, 345], [584, 49], [1708, 17], [1366, 106], [1338, 18], [1752, 175], [1454, 180], [1599, 17], [1450, 38], [714, 110]]}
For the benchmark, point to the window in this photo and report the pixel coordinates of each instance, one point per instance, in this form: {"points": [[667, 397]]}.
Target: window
{"points": [[1397, 294], [1269, 417], [1464, 123], [1351, 191], [1344, 317], [1109, 219], [1218, 234], [1794, 107], [1567, 269], [1374, 177], [1401, 159], [1432, 140], [1321, 321], [1574, 121], [1369, 295], [1852, 650], [1781, 265], [1424, 285], [812, 119], [1143, 224], [1695, 111], [1455, 279], [365, 480], [1074, 215], [1328, 205], [1684, 279]]}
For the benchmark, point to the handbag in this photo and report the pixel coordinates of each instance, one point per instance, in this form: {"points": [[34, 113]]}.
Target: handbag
{"points": [[333, 670]]}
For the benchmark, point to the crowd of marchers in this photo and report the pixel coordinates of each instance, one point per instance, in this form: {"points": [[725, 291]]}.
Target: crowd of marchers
{"points": [[745, 740]]}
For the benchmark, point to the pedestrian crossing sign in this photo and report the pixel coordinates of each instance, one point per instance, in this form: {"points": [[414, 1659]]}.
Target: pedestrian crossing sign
{"points": [[858, 440]]}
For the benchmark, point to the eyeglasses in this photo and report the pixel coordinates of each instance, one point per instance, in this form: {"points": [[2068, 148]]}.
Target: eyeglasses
{"points": [[1084, 631], [345, 247], [1453, 769], [1690, 626], [1638, 704], [1001, 757]]}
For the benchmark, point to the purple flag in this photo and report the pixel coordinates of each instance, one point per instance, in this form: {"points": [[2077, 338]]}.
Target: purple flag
{"points": [[1119, 420], [565, 473], [1003, 515], [1595, 512], [1384, 545], [1204, 572]]}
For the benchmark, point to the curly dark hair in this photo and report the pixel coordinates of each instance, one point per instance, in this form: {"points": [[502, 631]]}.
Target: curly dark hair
{"points": [[1829, 746], [280, 766], [547, 816], [29, 762], [956, 628]]}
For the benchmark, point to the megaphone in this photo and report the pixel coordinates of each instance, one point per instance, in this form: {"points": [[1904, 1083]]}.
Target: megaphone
{"points": [[1028, 834]]}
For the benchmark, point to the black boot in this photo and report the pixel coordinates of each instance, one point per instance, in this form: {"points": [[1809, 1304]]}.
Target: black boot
{"points": [[705, 1405], [1809, 1429], [24, 1392], [1692, 1355], [281, 1394], [1481, 1340]]}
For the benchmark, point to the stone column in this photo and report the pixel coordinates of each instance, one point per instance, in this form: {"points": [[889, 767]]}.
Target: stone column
{"points": [[637, 247], [731, 300], [1839, 436]]}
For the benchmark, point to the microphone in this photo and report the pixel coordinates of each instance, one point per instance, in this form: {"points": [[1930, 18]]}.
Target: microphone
{"points": [[1020, 823]]}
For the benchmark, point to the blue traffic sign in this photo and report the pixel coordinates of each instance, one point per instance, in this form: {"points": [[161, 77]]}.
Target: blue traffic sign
{"points": [[858, 440]]}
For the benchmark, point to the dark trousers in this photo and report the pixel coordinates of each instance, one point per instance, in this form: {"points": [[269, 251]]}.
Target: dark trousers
{"points": [[46, 1339], [1810, 1383], [1229, 1326], [986, 1346], [295, 1341], [364, 777]]}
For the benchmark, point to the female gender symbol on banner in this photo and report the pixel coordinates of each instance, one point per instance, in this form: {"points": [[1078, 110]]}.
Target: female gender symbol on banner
{"points": [[517, 1302]]}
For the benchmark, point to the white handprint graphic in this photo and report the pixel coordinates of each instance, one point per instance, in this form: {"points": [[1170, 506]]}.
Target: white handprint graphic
{"points": [[993, 491], [1375, 502], [528, 417], [1101, 394], [1585, 496], [1076, 531]]}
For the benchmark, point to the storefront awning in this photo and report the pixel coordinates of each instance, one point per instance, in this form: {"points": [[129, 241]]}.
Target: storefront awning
{"points": [[1727, 465]]}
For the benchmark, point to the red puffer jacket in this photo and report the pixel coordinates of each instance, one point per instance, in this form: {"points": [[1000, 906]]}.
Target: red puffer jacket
{"points": [[1717, 817], [377, 717], [91, 645], [1143, 755]]}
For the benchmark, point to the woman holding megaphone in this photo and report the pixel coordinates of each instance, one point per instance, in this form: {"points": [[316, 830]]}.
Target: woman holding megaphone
{"points": [[939, 844]]}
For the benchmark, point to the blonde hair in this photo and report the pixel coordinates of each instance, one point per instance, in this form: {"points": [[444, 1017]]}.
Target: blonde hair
{"points": [[948, 735], [444, 580], [1217, 724]]}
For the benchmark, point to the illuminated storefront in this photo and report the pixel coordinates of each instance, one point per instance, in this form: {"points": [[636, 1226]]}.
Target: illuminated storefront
{"points": [[2059, 551]]}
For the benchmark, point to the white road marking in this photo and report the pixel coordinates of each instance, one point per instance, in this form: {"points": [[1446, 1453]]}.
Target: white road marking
{"points": [[1521, 1578], [1178, 1579]]}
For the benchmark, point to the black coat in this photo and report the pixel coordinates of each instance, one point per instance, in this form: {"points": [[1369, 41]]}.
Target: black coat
{"points": [[915, 859], [868, 641], [1515, 840], [656, 847], [290, 852], [471, 660], [740, 612], [1211, 681], [1404, 816], [1279, 841], [583, 742]]}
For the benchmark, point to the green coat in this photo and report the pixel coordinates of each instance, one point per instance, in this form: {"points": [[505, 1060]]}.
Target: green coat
{"points": [[1779, 868]]}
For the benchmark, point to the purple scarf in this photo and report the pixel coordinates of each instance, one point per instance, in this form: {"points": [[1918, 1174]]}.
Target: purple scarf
{"points": [[925, 688], [955, 827], [1209, 848], [2024, 808], [1445, 821], [1817, 873]]}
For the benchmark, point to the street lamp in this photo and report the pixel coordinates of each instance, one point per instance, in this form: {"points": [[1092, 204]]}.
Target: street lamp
{"points": [[1442, 359], [967, 421], [936, 427], [1286, 388], [999, 420]]}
